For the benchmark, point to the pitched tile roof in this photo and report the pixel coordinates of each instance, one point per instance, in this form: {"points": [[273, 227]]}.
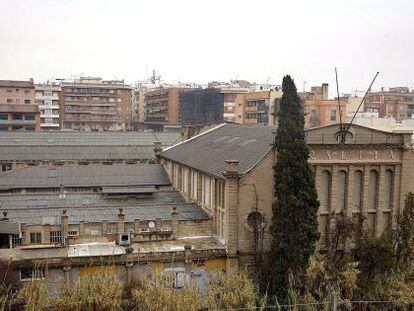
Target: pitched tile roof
{"points": [[208, 151]]}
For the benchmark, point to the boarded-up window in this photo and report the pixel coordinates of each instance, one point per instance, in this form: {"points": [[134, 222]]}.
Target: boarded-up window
{"points": [[373, 190], [342, 191], [325, 191], [358, 184], [388, 189]]}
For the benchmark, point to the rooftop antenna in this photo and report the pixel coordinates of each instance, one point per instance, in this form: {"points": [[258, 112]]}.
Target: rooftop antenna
{"points": [[341, 127], [347, 127]]}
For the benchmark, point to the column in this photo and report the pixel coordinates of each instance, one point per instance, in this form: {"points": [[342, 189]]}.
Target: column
{"points": [[231, 208], [64, 219], [380, 206], [121, 221], [66, 271], [350, 191], [174, 223]]}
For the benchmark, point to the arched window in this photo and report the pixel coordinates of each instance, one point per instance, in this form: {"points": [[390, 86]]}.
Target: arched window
{"points": [[358, 184], [342, 191], [325, 191]]}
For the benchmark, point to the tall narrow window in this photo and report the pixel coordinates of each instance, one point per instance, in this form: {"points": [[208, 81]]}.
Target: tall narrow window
{"points": [[373, 190], [325, 191], [358, 184], [341, 194], [388, 189]]}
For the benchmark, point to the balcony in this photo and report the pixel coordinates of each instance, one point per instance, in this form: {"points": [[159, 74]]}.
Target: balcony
{"points": [[17, 122]]}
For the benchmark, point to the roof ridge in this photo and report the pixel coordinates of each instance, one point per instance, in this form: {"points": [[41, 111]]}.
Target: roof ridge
{"points": [[196, 136]]}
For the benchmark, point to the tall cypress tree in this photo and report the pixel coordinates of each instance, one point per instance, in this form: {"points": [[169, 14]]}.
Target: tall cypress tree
{"points": [[294, 227]]}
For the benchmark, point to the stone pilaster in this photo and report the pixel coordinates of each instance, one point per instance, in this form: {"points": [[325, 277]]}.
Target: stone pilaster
{"points": [[64, 219], [66, 271], [365, 190], [157, 150], [334, 191], [174, 223], [121, 221], [104, 226], [350, 191], [136, 225], [128, 267], [379, 226], [231, 207], [81, 228], [46, 234]]}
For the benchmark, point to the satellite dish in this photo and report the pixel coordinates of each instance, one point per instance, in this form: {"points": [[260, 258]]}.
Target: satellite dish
{"points": [[151, 225]]}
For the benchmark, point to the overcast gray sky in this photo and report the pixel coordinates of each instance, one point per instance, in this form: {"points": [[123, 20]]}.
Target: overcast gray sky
{"points": [[210, 40]]}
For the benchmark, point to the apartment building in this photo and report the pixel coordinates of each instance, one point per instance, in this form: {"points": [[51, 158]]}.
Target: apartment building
{"points": [[233, 104], [324, 112], [397, 102], [47, 96], [93, 104], [18, 111], [161, 107], [201, 107]]}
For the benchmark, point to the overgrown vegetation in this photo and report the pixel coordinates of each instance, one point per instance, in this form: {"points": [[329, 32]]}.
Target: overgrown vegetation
{"points": [[106, 293]]}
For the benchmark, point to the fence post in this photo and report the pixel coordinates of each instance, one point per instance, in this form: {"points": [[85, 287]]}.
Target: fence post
{"points": [[334, 302]]}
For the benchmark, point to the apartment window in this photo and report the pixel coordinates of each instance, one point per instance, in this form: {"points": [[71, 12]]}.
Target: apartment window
{"points": [[333, 115], [17, 116], [17, 128], [3, 116], [16, 240], [9, 100], [55, 236], [26, 91], [29, 117], [48, 93], [30, 128], [27, 274], [17, 90], [9, 90], [35, 237], [3, 128], [27, 101]]}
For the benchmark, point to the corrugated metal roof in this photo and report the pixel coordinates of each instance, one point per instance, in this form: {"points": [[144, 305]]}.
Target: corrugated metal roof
{"points": [[42, 209], [28, 146], [84, 176], [209, 151], [130, 190]]}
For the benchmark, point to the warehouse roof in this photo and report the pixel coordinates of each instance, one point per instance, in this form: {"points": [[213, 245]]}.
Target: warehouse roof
{"points": [[208, 151], [31, 146], [47, 209], [84, 176]]}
